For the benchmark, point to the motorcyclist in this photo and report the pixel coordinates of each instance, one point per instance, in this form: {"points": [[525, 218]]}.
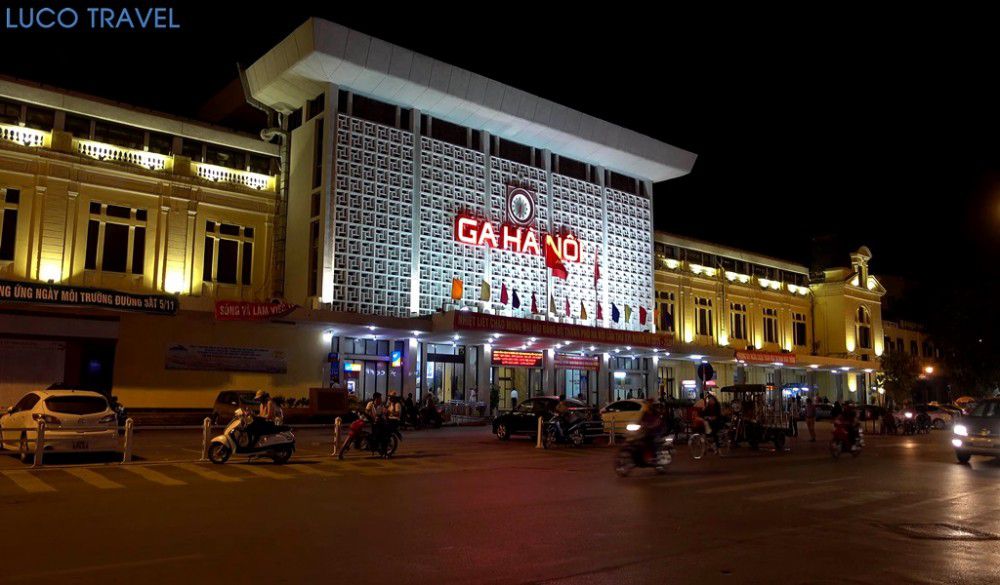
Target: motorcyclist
{"points": [[652, 426], [849, 419], [263, 423], [707, 414], [375, 413], [393, 414]]}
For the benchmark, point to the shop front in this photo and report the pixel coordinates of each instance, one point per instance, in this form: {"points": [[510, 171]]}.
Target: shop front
{"points": [[576, 376], [517, 370]]}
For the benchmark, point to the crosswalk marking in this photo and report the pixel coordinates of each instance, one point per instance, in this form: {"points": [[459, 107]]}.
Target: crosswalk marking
{"points": [[152, 475], [786, 494], [95, 479], [746, 486], [856, 500], [205, 473], [28, 482], [310, 470], [262, 472]]}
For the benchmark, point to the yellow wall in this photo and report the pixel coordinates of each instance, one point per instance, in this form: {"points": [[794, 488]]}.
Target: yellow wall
{"points": [[141, 379]]}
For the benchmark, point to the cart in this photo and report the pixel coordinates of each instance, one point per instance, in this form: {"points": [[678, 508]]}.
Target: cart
{"points": [[757, 414]]}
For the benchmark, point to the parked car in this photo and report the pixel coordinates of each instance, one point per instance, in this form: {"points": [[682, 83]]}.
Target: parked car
{"points": [[523, 420], [824, 411], [60, 408], [226, 404], [978, 433], [939, 418], [621, 413]]}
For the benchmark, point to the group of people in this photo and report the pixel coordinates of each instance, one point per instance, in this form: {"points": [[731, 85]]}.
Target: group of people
{"points": [[385, 417]]}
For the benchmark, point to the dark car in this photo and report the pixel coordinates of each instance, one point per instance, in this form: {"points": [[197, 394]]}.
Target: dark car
{"points": [[523, 420], [824, 411], [227, 402], [978, 433]]}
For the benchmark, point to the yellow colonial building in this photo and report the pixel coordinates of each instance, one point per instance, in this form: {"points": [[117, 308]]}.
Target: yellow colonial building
{"points": [[756, 319]]}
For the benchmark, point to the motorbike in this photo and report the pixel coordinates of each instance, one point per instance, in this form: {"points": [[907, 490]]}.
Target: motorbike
{"points": [[430, 416], [841, 441], [237, 439], [559, 430], [635, 453], [359, 437], [916, 423]]}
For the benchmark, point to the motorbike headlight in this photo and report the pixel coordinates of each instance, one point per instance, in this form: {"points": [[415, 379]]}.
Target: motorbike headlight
{"points": [[908, 415], [961, 430], [632, 427]]}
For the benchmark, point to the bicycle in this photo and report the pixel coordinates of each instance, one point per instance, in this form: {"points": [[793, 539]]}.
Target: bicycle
{"points": [[720, 446]]}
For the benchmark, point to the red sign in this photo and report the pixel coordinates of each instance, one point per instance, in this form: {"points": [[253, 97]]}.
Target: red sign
{"points": [[524, 359], [249, 311], [766, 357], [532, 328], [577, 362], [479, 232]]}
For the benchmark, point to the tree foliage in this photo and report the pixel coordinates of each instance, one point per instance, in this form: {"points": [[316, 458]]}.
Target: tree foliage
{"points": [[901, 373]]}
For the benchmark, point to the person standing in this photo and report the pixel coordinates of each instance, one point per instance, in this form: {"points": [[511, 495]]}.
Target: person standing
{"points": [[513, 398], [811, 419], [793, 416]]}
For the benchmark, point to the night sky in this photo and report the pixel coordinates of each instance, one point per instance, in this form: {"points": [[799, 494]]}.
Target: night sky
{"points": [[874, 129]]}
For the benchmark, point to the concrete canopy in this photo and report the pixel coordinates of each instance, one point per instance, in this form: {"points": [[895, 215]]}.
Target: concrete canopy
{"points": [[321, 52]]}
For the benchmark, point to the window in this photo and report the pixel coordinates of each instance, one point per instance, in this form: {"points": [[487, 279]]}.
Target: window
{"points": [[224, 157], [863, 322], [737, 321], [313, 258], [119, 135], [913, 347], [703, 316], [899, 344], [318, 154], [116, 239], [78, 126], [193, 149], [888, 343], [799, 329], [10, 113], [928, 350], [228, 257], [9, 202], [161, 143], [666, 311], [40, 118], [770, 325]]}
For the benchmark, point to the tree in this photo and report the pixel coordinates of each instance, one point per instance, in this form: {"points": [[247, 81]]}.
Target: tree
{"points": [[901, 373]]}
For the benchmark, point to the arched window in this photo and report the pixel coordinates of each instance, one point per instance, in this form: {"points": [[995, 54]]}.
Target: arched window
{"points": [[863, 328]]}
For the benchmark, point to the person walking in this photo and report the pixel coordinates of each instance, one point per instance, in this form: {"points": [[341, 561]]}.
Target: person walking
{"points": [[513, 398], [837, 409], [811, 419], [793, 416]]}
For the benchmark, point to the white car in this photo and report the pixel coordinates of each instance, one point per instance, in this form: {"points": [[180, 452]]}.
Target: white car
{"points": [[92, 425], [621, 413]]}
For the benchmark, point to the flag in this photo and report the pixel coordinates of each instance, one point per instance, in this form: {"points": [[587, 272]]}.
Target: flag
{"points": [[600, 312], [642, 315], [517, 301], [552, 305], [628, 313], [615, 314], [534, 304], [583, 311], [503, 293], [553, 259], [567, 307], [484, 291], [456, 289], [597, 269]]}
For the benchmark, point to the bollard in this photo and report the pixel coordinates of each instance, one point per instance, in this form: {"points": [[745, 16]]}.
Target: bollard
{"points": [[336, 436], [39, 444], [538, 443], [611, 437], [205, 438], [127, 449]]}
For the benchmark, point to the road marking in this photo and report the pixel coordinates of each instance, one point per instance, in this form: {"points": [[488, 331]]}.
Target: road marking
{"points": [[308, 470], [856, 500], [153, 475], [96, 568], [809, 491], [262, 472], [28, 482], [205, 473], [746, 486], [95, 479], [836, 479]]}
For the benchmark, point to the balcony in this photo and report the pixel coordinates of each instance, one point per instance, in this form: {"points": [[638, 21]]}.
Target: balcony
{"points": [[131, 157], [25, 136]]}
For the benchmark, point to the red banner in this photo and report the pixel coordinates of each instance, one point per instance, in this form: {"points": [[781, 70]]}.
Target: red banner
{"points": [[577, 362], [766, 357], [251, 311], [532, 328], [526, 359]]}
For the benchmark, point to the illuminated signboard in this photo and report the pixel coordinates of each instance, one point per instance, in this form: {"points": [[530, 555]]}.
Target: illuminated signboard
{"points": [[508, 358], [352, 366], [479, 232], [396, 358], [577, 362]]}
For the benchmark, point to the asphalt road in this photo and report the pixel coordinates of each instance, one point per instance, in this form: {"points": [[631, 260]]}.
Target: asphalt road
{"points": [[458, 506]]}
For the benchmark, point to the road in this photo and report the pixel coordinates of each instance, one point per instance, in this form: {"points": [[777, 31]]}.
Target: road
{"points": [[458, 506]]}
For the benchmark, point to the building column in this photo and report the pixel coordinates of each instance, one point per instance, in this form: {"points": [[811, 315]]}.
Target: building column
{"points": [[603, 373], [411, 353], [549, 372], [485, 365]]}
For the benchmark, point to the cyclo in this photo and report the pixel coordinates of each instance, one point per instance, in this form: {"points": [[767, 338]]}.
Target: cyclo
{"points": [[758, 414]]}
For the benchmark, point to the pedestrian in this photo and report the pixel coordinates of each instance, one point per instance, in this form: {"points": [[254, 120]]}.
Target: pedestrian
{"points": [[793, 416], [474, 395], [811, 419], [513, 398], [838, 409]]}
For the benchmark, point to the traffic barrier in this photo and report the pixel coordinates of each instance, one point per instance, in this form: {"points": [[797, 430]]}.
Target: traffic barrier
{"points": [[127, 448], [336, 436], [205, 438], [39, 444], [538, 443]]}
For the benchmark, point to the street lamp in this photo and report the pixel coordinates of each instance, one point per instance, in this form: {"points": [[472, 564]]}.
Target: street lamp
{"points": [[929, 370]]}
